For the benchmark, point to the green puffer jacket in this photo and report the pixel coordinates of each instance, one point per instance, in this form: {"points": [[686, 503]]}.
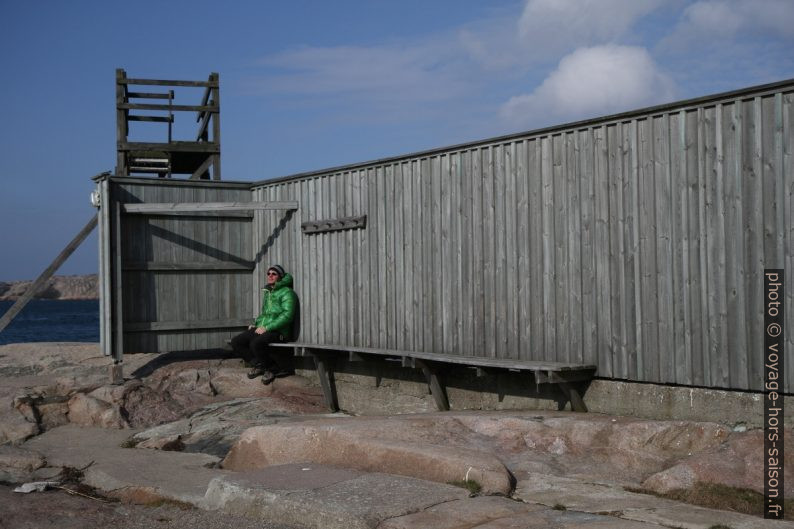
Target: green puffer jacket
{"points": [[278, 307]]}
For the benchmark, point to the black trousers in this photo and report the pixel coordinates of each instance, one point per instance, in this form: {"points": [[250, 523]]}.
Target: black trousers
{"points": [[255, 348]]}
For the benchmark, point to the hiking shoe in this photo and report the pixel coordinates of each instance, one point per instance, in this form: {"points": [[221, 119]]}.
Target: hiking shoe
{"points": [[281, 373], [256, 371], [268, 377]]}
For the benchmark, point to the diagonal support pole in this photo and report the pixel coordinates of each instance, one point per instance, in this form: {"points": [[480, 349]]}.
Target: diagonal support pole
{"points": [[46, 274], [436, 387], [572, 394], [324, 367]]}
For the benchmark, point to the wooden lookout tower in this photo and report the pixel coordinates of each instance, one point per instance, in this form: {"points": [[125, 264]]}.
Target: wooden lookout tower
{"points": [[199, 157]]}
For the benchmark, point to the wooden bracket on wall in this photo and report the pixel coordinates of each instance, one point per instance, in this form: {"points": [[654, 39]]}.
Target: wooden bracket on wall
{"points": [[344, 223]]}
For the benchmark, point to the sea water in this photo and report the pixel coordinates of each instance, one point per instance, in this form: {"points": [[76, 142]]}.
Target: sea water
{"points": [[48, 320]]}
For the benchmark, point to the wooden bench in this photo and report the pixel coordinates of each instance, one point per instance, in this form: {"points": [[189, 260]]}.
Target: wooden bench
{"points": [[562, 374]]}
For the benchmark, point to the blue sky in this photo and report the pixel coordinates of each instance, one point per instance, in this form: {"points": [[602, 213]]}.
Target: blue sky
{"points": [[313, 84]]}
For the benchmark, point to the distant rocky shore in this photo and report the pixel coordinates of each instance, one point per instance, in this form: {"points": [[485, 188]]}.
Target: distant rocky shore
{"points": [[58, 287]]}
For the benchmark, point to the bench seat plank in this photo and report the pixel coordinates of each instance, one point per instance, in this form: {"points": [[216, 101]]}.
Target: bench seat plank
{"points": [[559, 373], [477, 361]]}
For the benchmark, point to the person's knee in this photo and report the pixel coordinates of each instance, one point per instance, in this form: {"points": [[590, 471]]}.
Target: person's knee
{"points": [[242, 340]]}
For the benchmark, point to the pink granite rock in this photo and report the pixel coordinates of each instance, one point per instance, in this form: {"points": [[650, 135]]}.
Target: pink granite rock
{"points": [[736, 463], [89, 411], [389, 445]]}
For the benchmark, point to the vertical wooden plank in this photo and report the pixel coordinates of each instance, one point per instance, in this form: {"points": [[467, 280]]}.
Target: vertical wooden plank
{"points": [[561, 255], [332, 262], [446, 268], [342, 259], [512, 323], [692, 250], [388, 199], [383, 263], [405, 308], [601, 254], [682, 354], [708, 161], [523, 250], [336, 264], [549, 272], [734, 246], [752, 191], [478, 260], [664, 250], [400, 274], [407, 274], [197, 292], [354, 249], [437, 320], [116, 245], [489, 251], [773, 183], [426, 307], [788, 225], [298, 265], [311, 296], [773, 180], [322, 257], [649, 352], [417, 183], [589, 348], [702, 133], [498, 295], [373, 228], [106, 336], [454, 264], [534, 269], [633, 298], [466, 229], [717, 284], [323, 261], [617, 252], [573, 180], [456, 243], [306, 296]]}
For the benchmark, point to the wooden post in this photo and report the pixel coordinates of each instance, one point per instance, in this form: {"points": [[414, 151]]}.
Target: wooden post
{"points": [[118, 315], [216, 126], [105, 270], [47, 273], [572, 394], [436, 388], [121, 123], [325, 372]]}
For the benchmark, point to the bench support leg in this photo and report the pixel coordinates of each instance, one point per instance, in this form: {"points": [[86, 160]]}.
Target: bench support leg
{"points": [[436, 388], [325, 372], [572, 394]]}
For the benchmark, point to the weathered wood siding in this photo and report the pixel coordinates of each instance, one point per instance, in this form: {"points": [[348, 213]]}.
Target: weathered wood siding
{"points": [[185, 279], [634, 243]]}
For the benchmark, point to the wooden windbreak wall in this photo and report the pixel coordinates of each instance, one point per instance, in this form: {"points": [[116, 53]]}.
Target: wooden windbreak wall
{"points": [[636, 243], [180, 281]]}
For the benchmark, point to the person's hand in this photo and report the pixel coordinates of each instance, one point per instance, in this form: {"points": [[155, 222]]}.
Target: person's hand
{"points": [[260, 330]]}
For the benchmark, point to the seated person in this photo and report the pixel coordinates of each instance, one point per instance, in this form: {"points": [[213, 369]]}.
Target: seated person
{"points": [[274, 324]]}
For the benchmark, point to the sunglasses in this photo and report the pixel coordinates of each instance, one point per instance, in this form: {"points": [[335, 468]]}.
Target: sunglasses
{"points": [[273, 274]]}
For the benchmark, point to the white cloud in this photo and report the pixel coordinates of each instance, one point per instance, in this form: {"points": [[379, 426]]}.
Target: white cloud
{"points": [[418, 72], [545, 30], [589, 82], [452, 63], [555, 24], [708, 19]]}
